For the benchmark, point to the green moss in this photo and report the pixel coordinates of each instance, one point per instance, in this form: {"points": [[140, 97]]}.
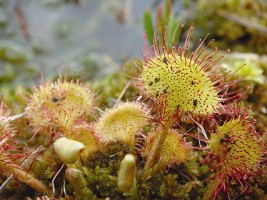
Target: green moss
{"points": [[46, 166], [109, 89], [235, 24], [171, 189], [189, 83], [247, 70], [85, 194], [13, 53]]}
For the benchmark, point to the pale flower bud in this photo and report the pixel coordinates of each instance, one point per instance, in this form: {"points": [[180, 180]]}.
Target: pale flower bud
{"points": [[68, 150], [126, 173], [75, 177]]}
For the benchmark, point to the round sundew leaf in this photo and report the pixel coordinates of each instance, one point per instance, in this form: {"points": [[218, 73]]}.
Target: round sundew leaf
{"points": [[175, 149], [183, 83], [85, 133], [59, 104], [121, 123], [237, 146]]}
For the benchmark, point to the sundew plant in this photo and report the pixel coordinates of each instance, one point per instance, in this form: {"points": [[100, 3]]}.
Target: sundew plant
{"points": [[179, 129]]}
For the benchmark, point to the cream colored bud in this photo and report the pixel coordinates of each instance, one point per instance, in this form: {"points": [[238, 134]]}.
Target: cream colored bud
{"points": [[68, 150], [75, 177], [126, 173]]}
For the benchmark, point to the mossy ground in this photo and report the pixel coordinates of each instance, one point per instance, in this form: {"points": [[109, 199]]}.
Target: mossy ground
{"points": [[189, 180]]}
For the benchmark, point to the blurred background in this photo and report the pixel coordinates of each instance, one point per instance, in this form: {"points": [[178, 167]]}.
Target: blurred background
{"points": [[83, 35]]}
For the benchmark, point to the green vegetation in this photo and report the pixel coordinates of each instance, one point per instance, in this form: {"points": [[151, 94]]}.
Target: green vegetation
{"points": [[178, 123]]}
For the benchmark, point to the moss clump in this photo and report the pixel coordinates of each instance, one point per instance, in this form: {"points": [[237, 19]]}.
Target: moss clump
{"points": [[171, 189], [250, 72], [110, 88], [239, 24]]}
